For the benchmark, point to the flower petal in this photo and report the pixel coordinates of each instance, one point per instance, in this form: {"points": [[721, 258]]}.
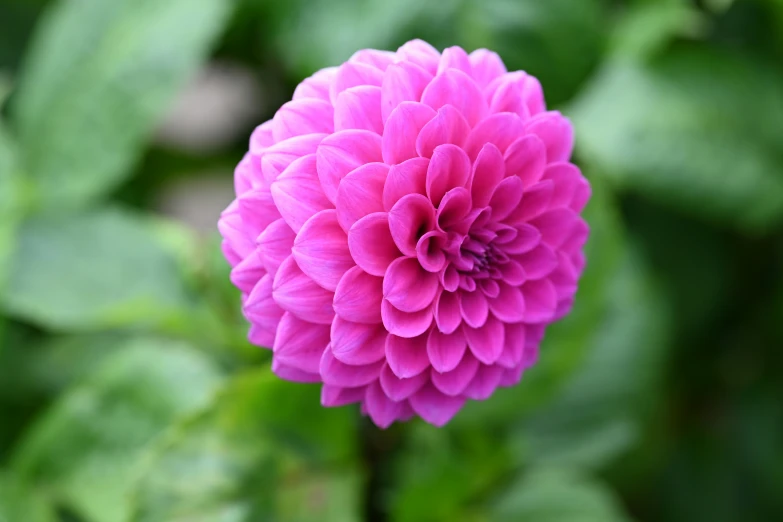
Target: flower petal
{"points": [[448, 168], [448, 316], [408, 286], [297, 192], [514, 347], [297, 293], [449, 277], [506, 198], [335, 373], [403, 81], [474, 308], [361, 193], [535, 201], [540, 301], [454, 382], [405, 178], [279, 156], [429, 251], [275, 244], [485, 382], [382, 410], [371, 245], [289, 373], [512, 273], [455, 58], [321, 250], [357, 344], [378, 59], [567, 178], [404, 324], [449, 126], [400, 389], [263, 312], [434, 406], [556, 132], [343, 152], [421, 53], [538, 262], [508, 306], [402, 129], [453, 210], [526, 158], [556, 226], [409, 219], [486, 66], [303, 116], [445, 351], [358, 297], [317, 85], [526, 239], [359, 108], [333, 396], [353, 74], [488, 169], [500, 129], [248, 272], [299, 344], [407, 356], [486, 343], [454, 87]]}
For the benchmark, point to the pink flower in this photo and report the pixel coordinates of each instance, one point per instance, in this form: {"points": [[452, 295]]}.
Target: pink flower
{"points": [[405, 228]]}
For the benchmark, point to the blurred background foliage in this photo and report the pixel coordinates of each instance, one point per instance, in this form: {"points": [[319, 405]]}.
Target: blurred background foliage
{"points": [[128, 392]]}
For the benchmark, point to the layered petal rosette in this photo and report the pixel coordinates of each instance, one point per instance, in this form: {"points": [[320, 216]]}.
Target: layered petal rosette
{"points": [[405, 229]]}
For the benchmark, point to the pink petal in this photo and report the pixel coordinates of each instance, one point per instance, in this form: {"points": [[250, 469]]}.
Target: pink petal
{"points": [[257, 209], [297, 193], [263, 312], [449, 278], [581, 196], [333, 396], [526, 239], [402, 129], [500, 129], [382, 410], [449, 126], [454, 382], [447, 312], [261, 138], [429, 251], [453, 210], [540, 301], [353, 74], [400, 389], [409, 219], [488, 170], [435, 407], [509, 306], [407, 356], [357, 344], [246, 274], [445, 351], [516, 92], [539, 262], [454, 87], [534, 202], [317, 85], [358, 297], [359, 108], [297, 293], [448, 168], [486, 66], [490, 287], [289, 373], [455, 58], [514, 347], [526, 158], [361, 193], [275, 244], [556, 132], [321, 250], [512, 273], [506, 198], [276, 158], [300, 344], [247, 172], [474, 308], [404, 324], [578, 237], [303, 116], [486, 343], [371, 245], [556, 226], [408, 286], [485, 382], [402, 82], [343, 152], [566, 178], [378, 59], [405, 178], [335, 373], [421, 53]]}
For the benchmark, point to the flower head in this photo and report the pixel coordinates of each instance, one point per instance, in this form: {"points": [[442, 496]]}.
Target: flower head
{"points": [[405, 228]]}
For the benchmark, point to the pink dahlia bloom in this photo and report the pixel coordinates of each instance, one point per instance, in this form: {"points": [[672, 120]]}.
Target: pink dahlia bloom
{"points": [[405, 229]]}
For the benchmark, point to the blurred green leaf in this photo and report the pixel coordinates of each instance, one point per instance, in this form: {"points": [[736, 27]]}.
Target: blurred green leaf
{"points": [[557, 495], [86, 448], [696, 129], [93, 270], [96, 79], [19, 504], [9, 202], [264, 450]]}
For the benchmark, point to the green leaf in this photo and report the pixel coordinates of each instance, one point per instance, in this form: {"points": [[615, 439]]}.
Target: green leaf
{"points": [[9, 202], [697, 129], [553, 495], [19, 503], [97, 77], [94, 270], [86, 449], [264, 450]]}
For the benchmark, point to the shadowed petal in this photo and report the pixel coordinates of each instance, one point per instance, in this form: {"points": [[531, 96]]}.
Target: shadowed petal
{"points": [[408, 286], [358, 297], [429, 251], [299, 344], [409, 219], [357, 344], [332, 396], [540, 301], [335, 373], [485, 382], [514, 347], [454, 382], [371, 244], [263, 312], [448, 168], [486, 343], [295, 292], [435, 407], [400, 389], [382, 410], [289, 373]]}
